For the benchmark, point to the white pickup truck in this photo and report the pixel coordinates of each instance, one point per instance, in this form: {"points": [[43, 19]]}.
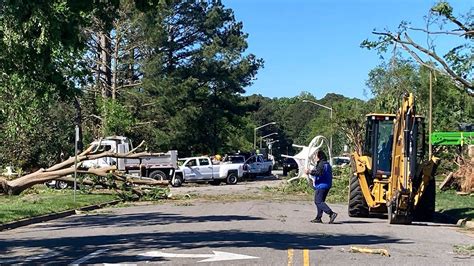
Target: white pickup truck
{"points": [[256, 165], [201, 169]]}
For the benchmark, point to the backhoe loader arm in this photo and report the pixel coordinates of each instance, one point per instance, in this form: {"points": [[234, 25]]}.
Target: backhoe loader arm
{"points": [[361, 166], [402, 148]]}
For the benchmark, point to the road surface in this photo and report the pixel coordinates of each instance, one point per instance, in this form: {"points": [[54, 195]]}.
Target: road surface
{"points": [[255, 232]]}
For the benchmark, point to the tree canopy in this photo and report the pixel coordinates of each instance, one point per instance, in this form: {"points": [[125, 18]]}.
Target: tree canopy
{"points": [[175, 73], [457, 63]]}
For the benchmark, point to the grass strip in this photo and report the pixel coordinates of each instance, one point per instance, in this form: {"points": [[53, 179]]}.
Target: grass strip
{"points": [[454, 205], [41, 201]]}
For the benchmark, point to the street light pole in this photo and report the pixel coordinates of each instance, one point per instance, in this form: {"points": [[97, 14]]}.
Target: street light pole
{"points": [[261, 138], [255, 133], [330, 115]]}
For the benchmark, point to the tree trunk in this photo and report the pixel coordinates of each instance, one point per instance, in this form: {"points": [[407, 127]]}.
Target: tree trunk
{"points": [[106, 62], [115, 72], [16, 186]]}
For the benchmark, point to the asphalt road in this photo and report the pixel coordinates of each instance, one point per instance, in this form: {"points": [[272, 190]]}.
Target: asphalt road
{"points": [[259, 232]]}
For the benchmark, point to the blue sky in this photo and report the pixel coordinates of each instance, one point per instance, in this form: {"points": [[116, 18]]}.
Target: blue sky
{"points": [[313, 45]]}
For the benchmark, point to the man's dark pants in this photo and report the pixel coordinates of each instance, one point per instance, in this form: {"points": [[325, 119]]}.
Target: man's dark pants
{"points": [[319, 199]]}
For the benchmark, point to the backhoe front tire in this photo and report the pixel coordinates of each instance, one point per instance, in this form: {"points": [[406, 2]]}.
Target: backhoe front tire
{"points": [[357, 204]]}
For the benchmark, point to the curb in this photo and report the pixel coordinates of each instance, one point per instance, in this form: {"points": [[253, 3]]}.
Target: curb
{"points": [[52, 216]]}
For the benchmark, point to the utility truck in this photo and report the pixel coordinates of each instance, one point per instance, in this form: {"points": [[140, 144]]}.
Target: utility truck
{"points": [[201, 169], [159, 166]]}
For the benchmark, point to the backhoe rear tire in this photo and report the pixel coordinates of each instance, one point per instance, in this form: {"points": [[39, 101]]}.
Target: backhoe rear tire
{"points": [[357, 204]]}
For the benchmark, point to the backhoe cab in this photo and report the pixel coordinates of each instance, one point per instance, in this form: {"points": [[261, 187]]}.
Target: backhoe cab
{"points": [[390, 175]]}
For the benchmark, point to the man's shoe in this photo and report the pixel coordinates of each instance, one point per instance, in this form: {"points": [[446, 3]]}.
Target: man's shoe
{"points": [[332, 217], [316, 221]]}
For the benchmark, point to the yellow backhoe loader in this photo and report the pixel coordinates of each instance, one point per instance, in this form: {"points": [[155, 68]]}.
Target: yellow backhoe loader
{"points": [[390, 176]]}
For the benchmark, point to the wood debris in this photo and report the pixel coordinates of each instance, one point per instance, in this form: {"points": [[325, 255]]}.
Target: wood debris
{"points": [[380, 251]]}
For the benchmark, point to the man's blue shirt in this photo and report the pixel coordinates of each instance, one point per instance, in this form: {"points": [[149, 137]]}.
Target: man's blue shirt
{"points": [[322, 175]]}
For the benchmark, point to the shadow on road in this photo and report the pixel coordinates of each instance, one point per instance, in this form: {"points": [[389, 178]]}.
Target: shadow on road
{"points": [[140, 219], [72, 248], [439, 220], [261, 178], [353, 222]]}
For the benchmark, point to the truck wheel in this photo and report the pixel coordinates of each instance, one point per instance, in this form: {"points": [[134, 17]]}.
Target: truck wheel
{"points": [[178, 181], [425, 209], [61, 184], [232, 179], [357, 204], [269, 172], [158, 175], [215, 182]]}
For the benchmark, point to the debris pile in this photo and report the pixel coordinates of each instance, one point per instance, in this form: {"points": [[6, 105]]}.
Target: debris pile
{"points": [[462, 180], [464, 176]]}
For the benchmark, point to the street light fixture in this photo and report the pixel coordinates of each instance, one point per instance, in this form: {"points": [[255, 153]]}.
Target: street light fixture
{"points": [[255, 133], [271, 134], [330, 109], [273, 141], [269, 145]]}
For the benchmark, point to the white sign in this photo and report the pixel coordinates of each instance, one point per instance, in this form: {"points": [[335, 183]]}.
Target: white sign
{"points": [[217, 256], [77, 133]]}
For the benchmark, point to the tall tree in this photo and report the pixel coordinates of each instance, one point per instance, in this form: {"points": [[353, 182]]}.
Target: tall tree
{"points": [[200, 69], [39, 44]]}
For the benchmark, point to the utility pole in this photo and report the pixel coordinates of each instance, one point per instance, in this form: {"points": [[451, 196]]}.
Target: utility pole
{"points": [[255, 133], [76, 140], [430, 146]]}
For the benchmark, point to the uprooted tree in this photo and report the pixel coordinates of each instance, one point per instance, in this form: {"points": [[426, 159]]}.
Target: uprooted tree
{"points": [[62, 170]]}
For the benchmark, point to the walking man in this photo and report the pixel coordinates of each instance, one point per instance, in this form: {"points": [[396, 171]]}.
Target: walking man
{"points": [[322, 182]]}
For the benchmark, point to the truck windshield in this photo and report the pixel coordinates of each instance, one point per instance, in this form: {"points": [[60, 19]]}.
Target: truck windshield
{"points": [[384, 146]]}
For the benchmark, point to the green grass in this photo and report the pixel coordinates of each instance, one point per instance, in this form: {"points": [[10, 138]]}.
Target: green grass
{"points": [[39, 201], [466, 250], [456, 206]]}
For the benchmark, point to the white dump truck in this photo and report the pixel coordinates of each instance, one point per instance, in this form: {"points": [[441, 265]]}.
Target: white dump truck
{"points": [[160, 166], [201, 169]]}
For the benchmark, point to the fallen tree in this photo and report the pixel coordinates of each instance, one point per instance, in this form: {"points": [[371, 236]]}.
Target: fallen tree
{"points": [[67, 167]]}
